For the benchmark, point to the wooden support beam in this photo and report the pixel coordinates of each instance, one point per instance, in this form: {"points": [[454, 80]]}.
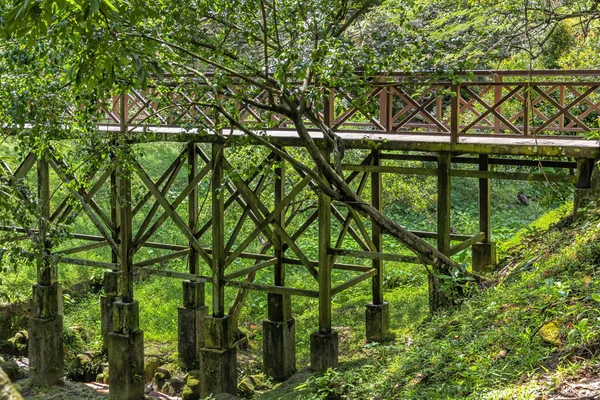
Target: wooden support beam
{"points": [[467, 243], [86, 247], [218, 232], [485, 211], [193, 257], [324, 221], [376, 236], [273, 289], [354, 281], [279, 219], [46, 273], [372, 255], [253, 268], [126, 228], [443, 203], [162, 259]]}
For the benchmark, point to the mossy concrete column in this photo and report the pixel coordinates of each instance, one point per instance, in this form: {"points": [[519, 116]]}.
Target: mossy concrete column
{"points": [[218, 359], [126, 353], [377, 314], [324, 343], [279, 338], [111, 291], [192, 318], [46, 364], [484, 254]]}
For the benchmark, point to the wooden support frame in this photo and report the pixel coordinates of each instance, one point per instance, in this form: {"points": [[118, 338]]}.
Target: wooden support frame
{"points": [[376, 236], [443, 203], [325, 260]]}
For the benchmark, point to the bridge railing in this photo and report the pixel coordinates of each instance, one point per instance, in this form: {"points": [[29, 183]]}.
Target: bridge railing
{"points": [[561, 103]]}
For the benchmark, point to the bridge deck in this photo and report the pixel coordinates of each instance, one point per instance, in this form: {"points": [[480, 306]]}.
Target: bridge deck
{"points": [[547, 146]]}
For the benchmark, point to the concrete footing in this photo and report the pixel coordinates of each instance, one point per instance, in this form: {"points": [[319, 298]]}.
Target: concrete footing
{"points": [[191, 325], [126, 353], [377, 322], [126, 363], [323, 351], [582, 198], [279, 349], [484, 256], [46, 364], [218, 359]]}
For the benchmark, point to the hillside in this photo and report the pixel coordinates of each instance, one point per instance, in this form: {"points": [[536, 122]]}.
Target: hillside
{"points": [[533, 334]]}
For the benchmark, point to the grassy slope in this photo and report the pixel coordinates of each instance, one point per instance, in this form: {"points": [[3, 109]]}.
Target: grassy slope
{"points": [[491, 346]]}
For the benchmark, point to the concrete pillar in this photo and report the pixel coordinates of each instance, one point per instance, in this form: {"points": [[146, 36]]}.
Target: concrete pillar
{"points": [[483, 256], [126, 353], [46, 364], [111, 289], [192, 318], [279, 338], [377, 321], [218, 359], [323, 351]]}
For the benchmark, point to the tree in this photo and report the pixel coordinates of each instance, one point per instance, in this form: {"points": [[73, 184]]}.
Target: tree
{"points": [[291, 51]]}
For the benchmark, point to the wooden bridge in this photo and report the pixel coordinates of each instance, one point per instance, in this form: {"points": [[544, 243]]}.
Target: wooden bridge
{"points": [[506, 118]]}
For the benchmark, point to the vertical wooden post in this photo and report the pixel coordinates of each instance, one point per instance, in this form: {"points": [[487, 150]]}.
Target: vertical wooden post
{"points": [[279, 333], [455, 114], [218, 364], [437, 298], [385, 108], [377, 317], [126, 342], [111, 278], [192, 154], [561, 119], [485, 212], [484, 254], [218, 233], [192, 315], [443, 203], [497, 98], [526, 108], [45, 348], [324, 343], [329, 107]]}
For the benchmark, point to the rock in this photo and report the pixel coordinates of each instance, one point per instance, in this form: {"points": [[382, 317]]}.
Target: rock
{"points": [[248, 386], [151, 364], [550, 333], [84, 368], [17, 345], [12, 370], [225, 396], [191, 390], [102, 377], [173, 387], [161, 376], [7, 390]]}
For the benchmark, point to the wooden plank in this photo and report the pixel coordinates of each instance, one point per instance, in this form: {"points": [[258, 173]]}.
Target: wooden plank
{"points": [[273, 289], [371, 255], [253, 268], [162, 259], [467, 243], [46, 273], [86, 247], [354, 281]]}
